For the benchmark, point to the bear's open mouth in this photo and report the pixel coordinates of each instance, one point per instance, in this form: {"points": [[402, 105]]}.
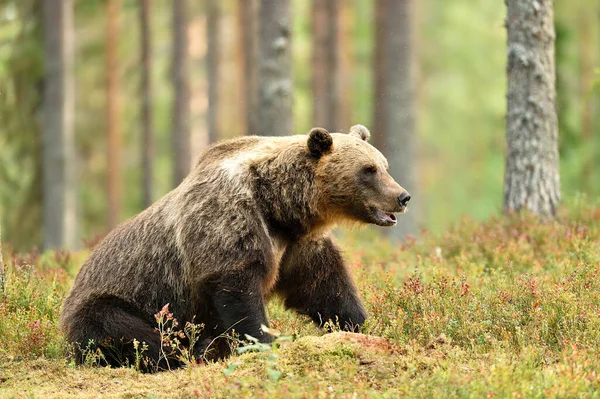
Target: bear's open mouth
{"points": [[386, 218]]}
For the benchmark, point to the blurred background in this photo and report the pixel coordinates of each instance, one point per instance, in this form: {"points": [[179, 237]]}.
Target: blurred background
{"points": [[155, 81]]}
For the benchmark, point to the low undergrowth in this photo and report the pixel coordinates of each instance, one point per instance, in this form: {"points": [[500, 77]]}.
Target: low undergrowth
{"points": [[508, 307]]}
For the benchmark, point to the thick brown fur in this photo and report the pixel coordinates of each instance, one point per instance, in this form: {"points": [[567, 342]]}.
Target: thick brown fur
{"points": [[252, 218]]}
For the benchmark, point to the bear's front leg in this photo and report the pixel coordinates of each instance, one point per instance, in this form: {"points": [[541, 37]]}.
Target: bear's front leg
{"points": [[238, 301], [314, 280]]}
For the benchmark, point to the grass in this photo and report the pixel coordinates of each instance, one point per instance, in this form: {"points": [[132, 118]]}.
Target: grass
{"points": [[505, 308]]}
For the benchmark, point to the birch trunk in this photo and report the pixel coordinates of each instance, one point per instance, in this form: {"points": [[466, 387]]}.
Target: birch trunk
{"points": [[532, 171]]}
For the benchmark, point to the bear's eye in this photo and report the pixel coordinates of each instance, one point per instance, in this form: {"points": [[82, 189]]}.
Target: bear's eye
{"points": [[370, 170]]}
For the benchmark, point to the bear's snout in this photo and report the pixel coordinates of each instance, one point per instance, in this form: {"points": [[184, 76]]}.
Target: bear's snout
{"points": [[403, 199]]}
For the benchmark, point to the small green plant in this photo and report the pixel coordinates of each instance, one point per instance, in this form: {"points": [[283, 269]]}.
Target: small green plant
{"points": [[269, 350], [140, 359], [92, 355]]}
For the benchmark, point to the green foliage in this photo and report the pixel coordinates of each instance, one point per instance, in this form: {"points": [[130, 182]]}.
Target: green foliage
{"points": [[268, 353], [29, 310]]}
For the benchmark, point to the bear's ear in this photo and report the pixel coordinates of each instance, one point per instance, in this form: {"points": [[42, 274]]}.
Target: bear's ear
{"points": [[360, 132], [319, 141]]}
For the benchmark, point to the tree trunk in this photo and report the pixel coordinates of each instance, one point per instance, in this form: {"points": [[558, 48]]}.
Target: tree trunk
{"points": [[147, 140], [379, 75], [325, 64], [58, 126], [248, 75], [532, 178], [113, 108], [275, 74], [346, 21], [397, 102], [213, 22], [181, 84], [199, 140]]}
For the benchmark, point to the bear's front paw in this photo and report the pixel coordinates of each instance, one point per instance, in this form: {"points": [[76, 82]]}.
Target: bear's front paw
{"points": [[346, 321], [353, 322]]}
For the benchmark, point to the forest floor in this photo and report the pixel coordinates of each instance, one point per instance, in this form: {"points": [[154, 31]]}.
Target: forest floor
{"points": [[509, 307]]}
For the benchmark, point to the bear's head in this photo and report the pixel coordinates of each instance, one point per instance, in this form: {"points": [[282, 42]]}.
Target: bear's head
{"points": [[353, 179]]}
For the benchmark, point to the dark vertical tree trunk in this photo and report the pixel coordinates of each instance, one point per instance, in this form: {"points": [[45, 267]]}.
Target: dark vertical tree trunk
{"points": [[58, 126], [147, 141], [379, 75], [213, 22], [325, 62], [395, 121], [113, 108], [532, 177], [248, 75], [275, 73], [181, 84]]}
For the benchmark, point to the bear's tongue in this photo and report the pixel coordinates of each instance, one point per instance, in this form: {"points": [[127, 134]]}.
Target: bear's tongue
{"points": [[386, 217]]}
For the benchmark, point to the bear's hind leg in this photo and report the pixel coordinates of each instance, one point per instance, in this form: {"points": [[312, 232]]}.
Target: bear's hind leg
{"points": [[314, 280], [111, 324]]}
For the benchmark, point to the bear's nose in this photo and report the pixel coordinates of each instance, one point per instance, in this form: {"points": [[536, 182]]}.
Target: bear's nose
{"points": [[404, 198]]}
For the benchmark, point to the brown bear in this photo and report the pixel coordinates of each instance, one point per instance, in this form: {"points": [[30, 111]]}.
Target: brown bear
{"points": [[253, 218]]}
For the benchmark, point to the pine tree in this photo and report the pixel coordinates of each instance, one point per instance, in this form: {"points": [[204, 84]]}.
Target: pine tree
{"points": [[395, 106], [180, 75], [58, 126], [325, 64], [113, 109], [532, 173], [213, 59], [147, 139], [275, 73]]}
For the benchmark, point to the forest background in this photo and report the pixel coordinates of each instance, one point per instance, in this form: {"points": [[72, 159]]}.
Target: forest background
{"points": [[460, 85]]}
